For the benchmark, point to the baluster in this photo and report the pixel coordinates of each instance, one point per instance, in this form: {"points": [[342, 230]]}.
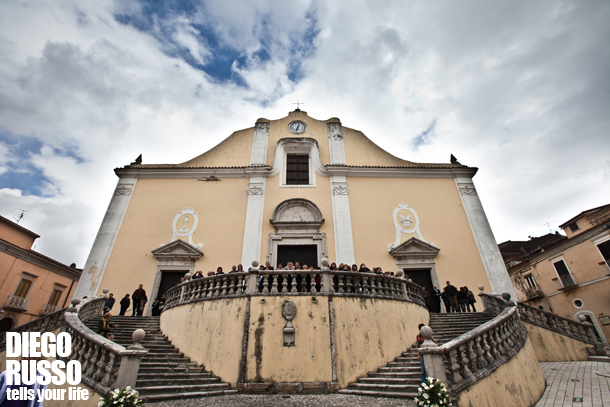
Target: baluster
{"points": [[454, 367], [357, 285], [472, 355], [322, 285], [225, 286], [240, 284], [349, 286], [110, 370], [386, 290], [265, 283], [100, 365], [341, 279], [83, 353], [365, 285], [293, 283], [480, 352], [92, 359], [284, 283], [312, 280], [498, 340], [374, 281], [302, 286], [487, 349], [217, 286], [232, 287], [274, 284], [464, 361]]}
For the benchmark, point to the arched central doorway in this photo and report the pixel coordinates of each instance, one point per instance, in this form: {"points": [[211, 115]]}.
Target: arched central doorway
{"points": [[297, 234]]}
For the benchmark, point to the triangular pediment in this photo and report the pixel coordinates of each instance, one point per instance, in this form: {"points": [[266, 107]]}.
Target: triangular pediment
{"points": [[177, 249], [414, 246]]}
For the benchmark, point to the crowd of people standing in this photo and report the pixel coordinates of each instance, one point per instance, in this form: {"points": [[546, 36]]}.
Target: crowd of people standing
{"points": [[454, 299]]}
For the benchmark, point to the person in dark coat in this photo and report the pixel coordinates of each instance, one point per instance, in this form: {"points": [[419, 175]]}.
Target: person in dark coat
{"points": [[452, 293], [125, 302], [435, 293], [109, 303], [155, 308], [139, 301]]}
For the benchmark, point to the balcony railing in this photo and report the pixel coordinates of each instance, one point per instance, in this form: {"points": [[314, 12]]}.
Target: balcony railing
{"points": [[294, 282], [18, 303], [566, 282], [532, 293], [49, 309]]}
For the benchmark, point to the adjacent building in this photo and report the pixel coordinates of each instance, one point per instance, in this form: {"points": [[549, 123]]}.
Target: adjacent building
{"points": [[567, 275], [293, 189], [33, 285]]}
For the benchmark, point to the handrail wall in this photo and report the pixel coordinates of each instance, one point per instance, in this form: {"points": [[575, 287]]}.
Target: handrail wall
{"points": [[47, 323], [105, 364], [294, 282]]}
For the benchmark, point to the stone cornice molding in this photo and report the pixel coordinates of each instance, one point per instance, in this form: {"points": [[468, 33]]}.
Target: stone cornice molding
{"points": [[39, 260], [270, 171], [415, 247]]}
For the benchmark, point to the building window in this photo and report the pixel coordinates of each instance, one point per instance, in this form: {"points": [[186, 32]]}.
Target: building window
{"points": [[564, 274], [297, 169], [55, 296], [530, 284], [604, 249], [573, 226], [23, 288]]}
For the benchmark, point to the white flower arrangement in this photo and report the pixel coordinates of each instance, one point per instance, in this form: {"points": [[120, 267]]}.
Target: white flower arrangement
{"points": [[433, 393], [121, 398]]}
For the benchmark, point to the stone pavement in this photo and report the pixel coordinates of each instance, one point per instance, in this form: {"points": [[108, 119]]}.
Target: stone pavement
{"points": [[576, 384]]}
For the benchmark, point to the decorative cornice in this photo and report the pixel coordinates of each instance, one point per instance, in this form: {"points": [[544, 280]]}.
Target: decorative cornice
{"points": [[39, 260]]}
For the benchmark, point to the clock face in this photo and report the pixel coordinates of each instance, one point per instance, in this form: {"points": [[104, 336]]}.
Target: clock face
{"points": [[297, 127]]}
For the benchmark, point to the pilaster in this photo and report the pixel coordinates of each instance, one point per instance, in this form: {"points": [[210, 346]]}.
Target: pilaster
{"points": [[486, 243], [95, 267]]}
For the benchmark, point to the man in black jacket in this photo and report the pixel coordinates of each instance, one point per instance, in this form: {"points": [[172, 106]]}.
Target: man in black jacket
{"points": [[125, 302], [452, 292], [139, 300]]}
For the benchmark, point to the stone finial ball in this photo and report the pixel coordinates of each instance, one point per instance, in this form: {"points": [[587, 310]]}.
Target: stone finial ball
{"points": [[75, 301], [506, 296], [426, 332], [400, 273], [481, 288], [105, 291], [325, 262], [254, 263], [138, 335], [582, 318]]}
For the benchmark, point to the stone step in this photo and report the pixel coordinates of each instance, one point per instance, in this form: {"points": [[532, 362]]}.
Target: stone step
{"points": [[415, 381], [176, 396], [402, 375], [170, 369], [183, 388], [174, 375], [402, 395], [169, 365], [405, 369], [394, 388], [176, 381]]}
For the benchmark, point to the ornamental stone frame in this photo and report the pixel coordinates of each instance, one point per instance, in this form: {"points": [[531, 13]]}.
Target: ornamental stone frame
{"points": [[174, 256], [297, 222], [416, 254]]}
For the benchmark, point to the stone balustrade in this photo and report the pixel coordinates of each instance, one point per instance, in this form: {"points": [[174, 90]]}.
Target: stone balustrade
{"points": [[45, 324], [106, 365], [476, 354], [294, 282], [584, 332]]}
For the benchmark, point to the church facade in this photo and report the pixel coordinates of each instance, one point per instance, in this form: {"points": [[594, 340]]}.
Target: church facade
{"points": [[293, 189]]}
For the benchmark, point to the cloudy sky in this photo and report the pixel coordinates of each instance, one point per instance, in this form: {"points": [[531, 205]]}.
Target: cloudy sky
{"points": [[519, 89]]}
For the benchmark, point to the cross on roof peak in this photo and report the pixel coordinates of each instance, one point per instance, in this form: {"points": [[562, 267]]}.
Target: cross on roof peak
{"points": [[298, 104]]}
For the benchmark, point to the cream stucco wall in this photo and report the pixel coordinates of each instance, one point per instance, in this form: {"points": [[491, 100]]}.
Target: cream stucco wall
{"points": [[442, 221], [519, 383], [270, 361], [550, 346], [210, 333], [220, 206], [234, 151], [369, 333]]}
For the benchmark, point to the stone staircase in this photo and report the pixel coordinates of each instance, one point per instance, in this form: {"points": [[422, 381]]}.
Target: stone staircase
{"points": [[165, 374], [401, 378]]}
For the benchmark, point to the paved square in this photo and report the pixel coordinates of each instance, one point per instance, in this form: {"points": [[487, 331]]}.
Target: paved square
{"points": [[576, 384]]}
